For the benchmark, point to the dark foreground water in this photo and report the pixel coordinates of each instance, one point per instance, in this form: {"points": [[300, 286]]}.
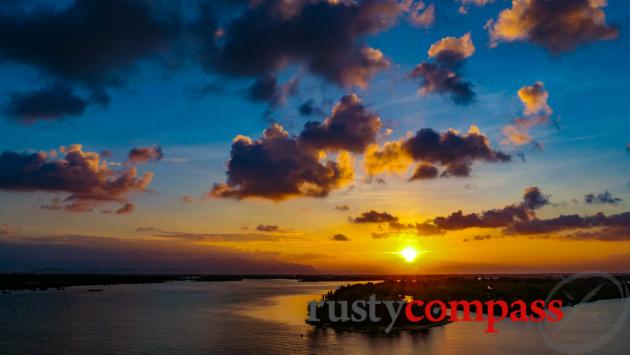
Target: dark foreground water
{"points": [[262, 316]]}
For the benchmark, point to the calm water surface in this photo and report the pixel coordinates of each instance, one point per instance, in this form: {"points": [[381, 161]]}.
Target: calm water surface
{"points": [[254, 316]]}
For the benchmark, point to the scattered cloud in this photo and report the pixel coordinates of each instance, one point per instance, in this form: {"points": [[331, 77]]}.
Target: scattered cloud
{"points": [[452, 49], [418, 13], [536, 110], [441, 75], [569, 222], [186, 199], [50, 103], [142, 155], [86, 178], [533, 199], [340, 238], [374, 217], [604, 198], [465, 4], [454, 151], [342, 208], [559, 25], [269, 228]]}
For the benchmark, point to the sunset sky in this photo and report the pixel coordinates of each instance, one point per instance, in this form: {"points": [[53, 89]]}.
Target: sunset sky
{"points": [[301, 136]]}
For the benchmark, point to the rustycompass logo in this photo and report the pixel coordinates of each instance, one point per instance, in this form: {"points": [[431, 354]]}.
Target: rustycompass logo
{"points": [[407, 313]]}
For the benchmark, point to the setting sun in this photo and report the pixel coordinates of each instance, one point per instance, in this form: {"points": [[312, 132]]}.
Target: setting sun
{"points": [[409, 254]]}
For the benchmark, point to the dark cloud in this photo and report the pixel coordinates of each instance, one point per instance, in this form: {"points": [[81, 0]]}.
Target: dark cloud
{"points": [[568, 222], [440, 79], [141, 155], [97, 45], [350, 127], [454, 151], [309, 108], [342, 208], [92, 43], [441, 76], [628, 147], [280, 33], [602, 234], [507, 216], [50, 103], [534, 199], [86, 179], [603, 198], [268, 90], [479, 238], [277, 167], [424, 171], [559, 25], [268, 228], [374, 217], [340, 238]]}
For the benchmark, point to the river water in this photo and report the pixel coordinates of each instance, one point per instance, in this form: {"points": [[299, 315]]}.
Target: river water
{"points": [[265, 317]]}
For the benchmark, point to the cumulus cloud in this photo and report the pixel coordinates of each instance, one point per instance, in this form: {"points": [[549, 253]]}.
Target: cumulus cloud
{"points": [[54, 102], [454, 151], [141, 155], [342, 208], [424, 171], [374, 217], [603, 198], [340, 238], [534, 199], [350, 127], [281, 33], [277, 167], [84, 176], [442, 76], [559, 25], [534, 99], [536, 110], [452, 49]]}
